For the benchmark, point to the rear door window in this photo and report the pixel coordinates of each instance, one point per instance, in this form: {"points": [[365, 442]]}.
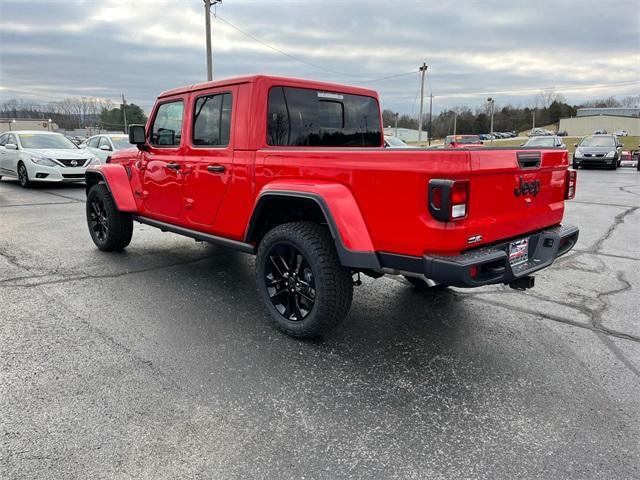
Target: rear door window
{"points": [[314, 118], [167, 125], [212, 120]]}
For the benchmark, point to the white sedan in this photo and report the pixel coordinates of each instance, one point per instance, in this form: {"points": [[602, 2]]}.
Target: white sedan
{"points": [[42, 157], [104, 145]]}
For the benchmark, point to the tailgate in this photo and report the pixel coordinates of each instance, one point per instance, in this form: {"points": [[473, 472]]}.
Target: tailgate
{"points": [[513, 192]]}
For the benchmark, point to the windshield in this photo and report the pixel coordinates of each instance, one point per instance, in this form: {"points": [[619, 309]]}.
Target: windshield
{"points": [[597, 142], [120, 142], [541, 142], [44, 140], [395, 142], [462, 139]]}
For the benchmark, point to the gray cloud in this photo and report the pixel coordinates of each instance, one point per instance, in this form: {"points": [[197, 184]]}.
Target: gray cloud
{"points": [[53, 49]]}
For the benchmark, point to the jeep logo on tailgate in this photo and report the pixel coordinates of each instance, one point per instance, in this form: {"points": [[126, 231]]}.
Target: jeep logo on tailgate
{"points": [[524, 188]]}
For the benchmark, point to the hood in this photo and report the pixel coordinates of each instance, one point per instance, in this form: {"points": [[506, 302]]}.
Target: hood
{"points": [[56, 153]]}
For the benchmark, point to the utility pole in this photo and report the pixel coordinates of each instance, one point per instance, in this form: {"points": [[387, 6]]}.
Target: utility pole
{"points": [[533, 121], [124, 113], [207, 23], [397, 114], [423, 70], [455, 121], [430, 111]]}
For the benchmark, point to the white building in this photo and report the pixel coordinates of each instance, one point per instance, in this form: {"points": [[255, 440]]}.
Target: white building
{"points": [[7, 124], [580, 126]]}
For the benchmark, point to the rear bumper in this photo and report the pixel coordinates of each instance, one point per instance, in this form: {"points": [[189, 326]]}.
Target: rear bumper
{"points": [[490, 264]]}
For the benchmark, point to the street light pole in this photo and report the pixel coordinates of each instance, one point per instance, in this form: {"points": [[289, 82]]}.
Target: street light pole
{"points": [[423, 70], [455, 121], [492, 102], [397, 114], [430, 113]]}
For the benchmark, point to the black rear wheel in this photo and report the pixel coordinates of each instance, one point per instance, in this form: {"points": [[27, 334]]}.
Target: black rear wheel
{"points": [[306, 290], [110, 229]]}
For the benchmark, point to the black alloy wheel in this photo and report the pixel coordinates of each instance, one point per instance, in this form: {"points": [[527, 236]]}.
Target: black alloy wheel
{"points": [[98, 219], [306, 290], [290, 282], [110, 229]]}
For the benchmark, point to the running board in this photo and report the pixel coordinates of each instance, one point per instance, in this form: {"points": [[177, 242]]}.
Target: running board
{"points": [[200, 236]]}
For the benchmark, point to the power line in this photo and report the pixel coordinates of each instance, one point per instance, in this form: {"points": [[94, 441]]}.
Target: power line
{"points": [[306, 62]]}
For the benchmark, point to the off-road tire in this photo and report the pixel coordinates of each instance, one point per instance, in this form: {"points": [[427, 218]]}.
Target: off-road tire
{"points": [[119, 224], [333, 283], [23, 176], [423, 286]]}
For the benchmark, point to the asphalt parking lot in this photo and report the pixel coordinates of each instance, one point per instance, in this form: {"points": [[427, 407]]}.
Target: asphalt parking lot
{"points": [[159, 362]]}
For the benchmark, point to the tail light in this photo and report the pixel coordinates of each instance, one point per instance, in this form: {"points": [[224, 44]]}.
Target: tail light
{"points": [[570, 184], [448, 199]]}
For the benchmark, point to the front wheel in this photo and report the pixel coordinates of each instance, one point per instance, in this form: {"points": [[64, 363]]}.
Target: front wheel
{"points": [[23, 176], [110, 229], [306, 290]]}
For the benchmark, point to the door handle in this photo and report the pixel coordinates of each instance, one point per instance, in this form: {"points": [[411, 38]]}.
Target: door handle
{"points": [[173, 166], [216, 168]]}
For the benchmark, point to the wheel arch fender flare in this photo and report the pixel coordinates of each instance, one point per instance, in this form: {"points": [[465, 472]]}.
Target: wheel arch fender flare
{"points": [[341, 213], [116, 178]]}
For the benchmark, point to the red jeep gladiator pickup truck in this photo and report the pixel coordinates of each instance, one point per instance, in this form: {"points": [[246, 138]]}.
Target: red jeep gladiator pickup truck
{"points": [[295, 172]]}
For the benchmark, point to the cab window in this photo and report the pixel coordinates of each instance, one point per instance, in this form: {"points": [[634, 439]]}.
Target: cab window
{"points": [[167, 125], [212, 120], [314, 118]]}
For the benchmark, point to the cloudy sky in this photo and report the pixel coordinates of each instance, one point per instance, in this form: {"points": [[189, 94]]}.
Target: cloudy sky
{"points": [[506, 49]]}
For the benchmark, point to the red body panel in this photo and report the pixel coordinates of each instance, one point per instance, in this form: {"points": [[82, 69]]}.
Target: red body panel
{"points": [[377, 197], [119, 184]]}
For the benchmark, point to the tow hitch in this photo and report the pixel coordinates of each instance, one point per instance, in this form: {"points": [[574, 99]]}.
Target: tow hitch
{"points": [[523, 283]]}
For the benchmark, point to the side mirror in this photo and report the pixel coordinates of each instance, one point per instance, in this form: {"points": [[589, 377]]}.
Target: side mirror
{"points": [[137, 135], [575, 144], [522, 144], [82, 145], [106, 148], [11, 146]]}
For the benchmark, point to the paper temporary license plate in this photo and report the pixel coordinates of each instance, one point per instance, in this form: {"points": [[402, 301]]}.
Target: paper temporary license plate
{"points": [[519, 252]]}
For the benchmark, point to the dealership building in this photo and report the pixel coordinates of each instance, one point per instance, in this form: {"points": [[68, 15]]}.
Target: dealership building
{"points": [[588, 120], [7, 124]]}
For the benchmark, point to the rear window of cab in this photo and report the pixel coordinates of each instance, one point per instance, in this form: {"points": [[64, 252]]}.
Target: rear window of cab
{"points": [[300, 117]]}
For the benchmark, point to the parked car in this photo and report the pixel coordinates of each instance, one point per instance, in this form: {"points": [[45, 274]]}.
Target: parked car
{"points": [[600, 131], [537, 132], [598, 150], [394, 142], [299, 179], [462, 141], [42, 157], [562, 133], [546, 142], [621, 133], [105, 144]]}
